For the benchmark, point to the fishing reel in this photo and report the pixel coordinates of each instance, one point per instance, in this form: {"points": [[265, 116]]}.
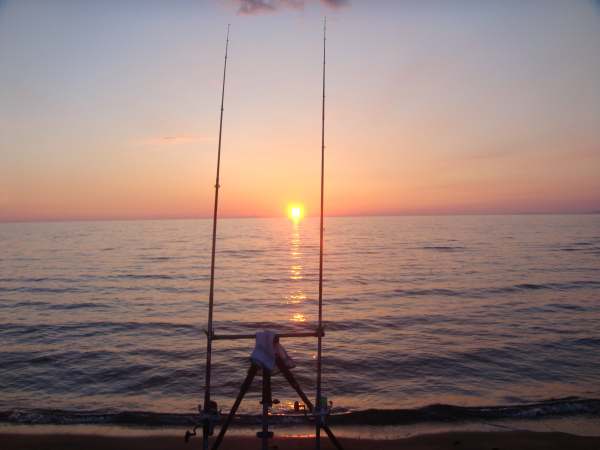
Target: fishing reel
{"points": [[209, 418], [324, 409]]}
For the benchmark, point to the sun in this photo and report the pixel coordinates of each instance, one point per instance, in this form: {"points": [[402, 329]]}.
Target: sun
{"points": [[295, 211]]}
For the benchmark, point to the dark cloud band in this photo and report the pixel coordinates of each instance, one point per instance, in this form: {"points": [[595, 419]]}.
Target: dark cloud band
{"points": [[253, 7]]}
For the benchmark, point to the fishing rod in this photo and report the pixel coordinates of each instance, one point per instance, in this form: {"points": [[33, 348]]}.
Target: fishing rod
{"points": [[318, 416], [210, 408]]}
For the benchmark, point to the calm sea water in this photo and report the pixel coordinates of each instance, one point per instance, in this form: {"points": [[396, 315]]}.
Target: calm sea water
{"points": [[425, 316]]}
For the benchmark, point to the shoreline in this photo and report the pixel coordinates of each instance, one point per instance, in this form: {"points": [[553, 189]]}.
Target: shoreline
{"points": [[578, 425], [574, 424], [463, 440]]}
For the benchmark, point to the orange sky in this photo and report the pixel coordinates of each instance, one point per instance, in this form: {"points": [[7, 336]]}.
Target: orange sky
{"points": [[446, 107]]}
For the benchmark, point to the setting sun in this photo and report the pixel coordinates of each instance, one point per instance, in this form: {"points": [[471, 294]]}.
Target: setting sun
{"points": [[295, 211]]}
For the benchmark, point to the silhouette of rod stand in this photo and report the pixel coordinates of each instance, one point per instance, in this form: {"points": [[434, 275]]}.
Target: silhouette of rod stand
{"points": [[245, 386], [267, 402], [294, 384], [210, 415]]}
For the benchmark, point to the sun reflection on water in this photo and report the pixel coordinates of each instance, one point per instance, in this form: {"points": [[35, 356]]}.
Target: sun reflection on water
{"points": [[296, 296]]}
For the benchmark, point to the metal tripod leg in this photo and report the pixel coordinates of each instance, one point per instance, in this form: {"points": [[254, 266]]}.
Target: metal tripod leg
{"points": [[290, 378], [331, 436], [266, 401], [245, 386]]}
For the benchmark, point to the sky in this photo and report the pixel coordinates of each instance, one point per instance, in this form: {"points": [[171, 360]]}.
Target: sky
{"points": [[110, 110]]}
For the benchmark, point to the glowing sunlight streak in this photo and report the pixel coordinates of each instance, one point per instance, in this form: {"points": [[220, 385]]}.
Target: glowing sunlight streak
{"points": [[296, 296]]}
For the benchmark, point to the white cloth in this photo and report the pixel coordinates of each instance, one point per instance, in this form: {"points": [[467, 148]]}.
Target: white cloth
{"points": [[263, 354], [287, 360], [266, 350]]}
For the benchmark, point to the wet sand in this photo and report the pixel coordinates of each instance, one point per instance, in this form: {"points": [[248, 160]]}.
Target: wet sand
{"points": [[513, 440]]}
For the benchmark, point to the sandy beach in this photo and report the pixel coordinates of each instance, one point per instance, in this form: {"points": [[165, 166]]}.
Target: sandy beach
{"points": [[513, 440]]}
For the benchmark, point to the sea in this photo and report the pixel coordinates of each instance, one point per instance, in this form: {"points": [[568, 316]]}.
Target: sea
{"points": [[431, 322]]}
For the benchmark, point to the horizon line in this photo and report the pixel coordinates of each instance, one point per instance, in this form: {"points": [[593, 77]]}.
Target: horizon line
{"points": [[283, 217]]}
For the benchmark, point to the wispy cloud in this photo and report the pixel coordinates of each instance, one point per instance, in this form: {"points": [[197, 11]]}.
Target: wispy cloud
{"points": [[254, 7], [174, 140], [482, 156]]}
